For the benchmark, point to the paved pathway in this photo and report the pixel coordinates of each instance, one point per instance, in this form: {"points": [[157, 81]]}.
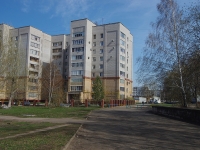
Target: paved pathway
{"points": [[123, 129], [52, 120]]}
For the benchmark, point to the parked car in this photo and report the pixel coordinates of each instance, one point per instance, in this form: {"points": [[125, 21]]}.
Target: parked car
{"points": [[27, 103]]}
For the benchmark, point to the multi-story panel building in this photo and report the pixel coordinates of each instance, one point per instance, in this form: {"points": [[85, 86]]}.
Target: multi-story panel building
{"points": [[34, 46], [87, 52], [104, 51]]}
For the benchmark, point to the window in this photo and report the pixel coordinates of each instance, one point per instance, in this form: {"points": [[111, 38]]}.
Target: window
{"points": [[33, 80], [33, 88], [57, 44], [94, 44], [94, 51], [122, 42], [35, 45], [122, 65], [122, 73], [101, 43], [56, 56], [122, 58], [79, 64], [32, 94], [122, 81], [101, 35], [122, 89], [34, 59], [33, 73], [94, 59], [93, 74], [94, 36], [101, 51], [14, 38], [35, 38], [127, 46], [77, 80], [78, 34], [34, 66], [127, 68], [34, 52], [78, 49], [123, 35], [57, 50], [101, 74], [76, 72], [127, 39], [127, 75], [76, 88], [76, 57], [93, 66], [101, 58], [122, 50], [78, 42], [101, 66], [66, 56]]}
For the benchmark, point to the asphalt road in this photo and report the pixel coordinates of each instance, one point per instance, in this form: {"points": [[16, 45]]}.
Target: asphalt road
{"points": [[123, 129]]}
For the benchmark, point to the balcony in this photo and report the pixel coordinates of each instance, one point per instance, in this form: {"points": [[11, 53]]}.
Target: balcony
{"points": [[34, 67], [34, 59], [33, 74]]}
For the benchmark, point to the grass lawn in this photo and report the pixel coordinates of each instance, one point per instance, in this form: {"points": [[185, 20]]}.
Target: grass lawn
{"points": [[54, 139], [47, 112], [8, 128]]}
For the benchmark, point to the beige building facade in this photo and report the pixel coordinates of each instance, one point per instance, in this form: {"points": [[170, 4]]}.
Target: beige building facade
{"points": [[87, 52]]}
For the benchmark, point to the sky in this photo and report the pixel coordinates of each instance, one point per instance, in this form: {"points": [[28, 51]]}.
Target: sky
{"points": [[54, 16]]}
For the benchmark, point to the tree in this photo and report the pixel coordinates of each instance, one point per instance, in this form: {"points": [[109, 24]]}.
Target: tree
{"points": [[192, 73], [192, 68], [52, 84], [193, 27], [98, 91], [12, 66], [166, 48]]}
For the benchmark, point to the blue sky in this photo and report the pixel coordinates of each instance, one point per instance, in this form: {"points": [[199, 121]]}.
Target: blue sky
{"points": [[54, 16]]}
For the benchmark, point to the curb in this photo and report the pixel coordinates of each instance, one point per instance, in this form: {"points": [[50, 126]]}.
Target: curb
{"points": [[73, 137]]}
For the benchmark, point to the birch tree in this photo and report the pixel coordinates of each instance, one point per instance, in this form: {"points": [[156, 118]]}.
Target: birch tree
{"points": [[165, 48], [52, 84], [12, 66]]}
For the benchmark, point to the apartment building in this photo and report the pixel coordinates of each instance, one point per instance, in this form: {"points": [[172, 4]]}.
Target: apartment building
{"points": [[105, 51], [89, 51], [34, 46]]}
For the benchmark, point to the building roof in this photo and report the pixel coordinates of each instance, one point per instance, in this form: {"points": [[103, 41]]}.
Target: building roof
{"points": [[102, 24]]}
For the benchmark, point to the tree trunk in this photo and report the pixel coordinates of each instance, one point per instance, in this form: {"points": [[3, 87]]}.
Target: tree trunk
{"points": [[11, 98]]}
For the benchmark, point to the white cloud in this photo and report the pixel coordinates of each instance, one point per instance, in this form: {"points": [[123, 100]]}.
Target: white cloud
{"points": [[26, 5], [71, 7], [45, 7]]}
